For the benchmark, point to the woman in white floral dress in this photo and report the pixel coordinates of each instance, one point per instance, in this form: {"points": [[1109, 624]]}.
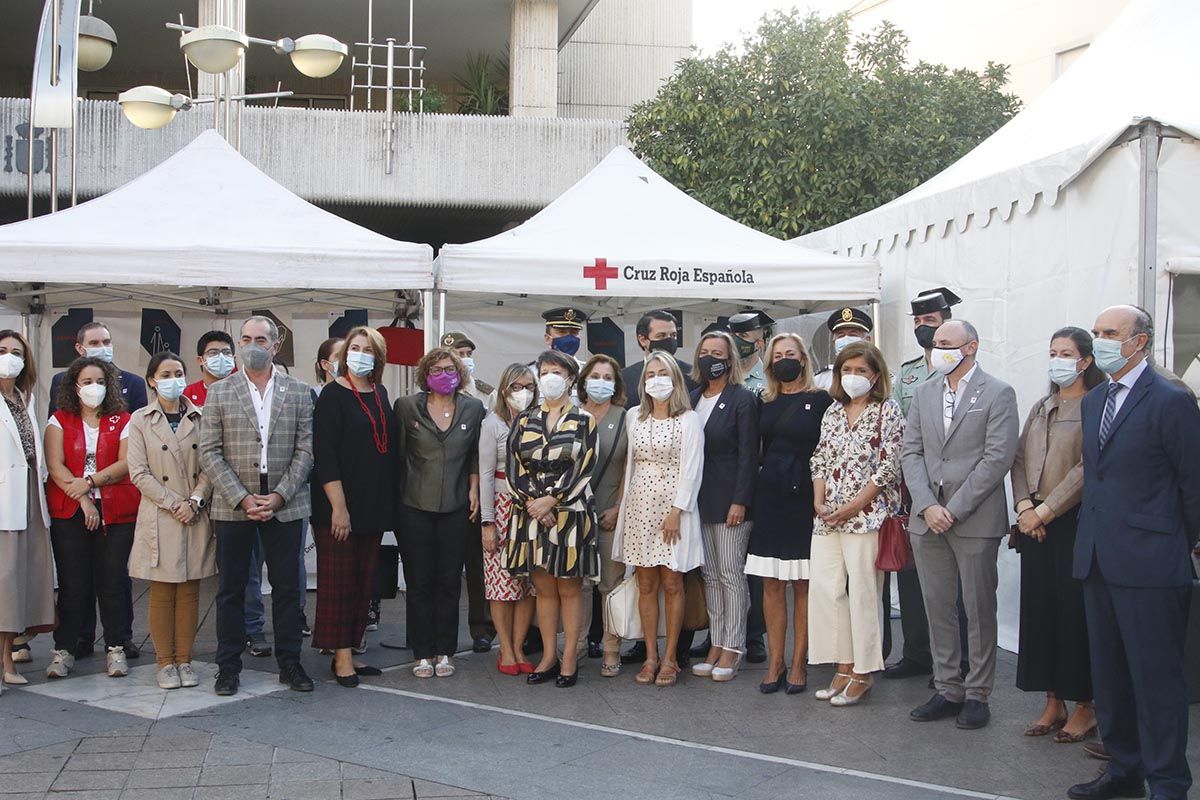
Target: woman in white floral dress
{"points": [[856, 484]]}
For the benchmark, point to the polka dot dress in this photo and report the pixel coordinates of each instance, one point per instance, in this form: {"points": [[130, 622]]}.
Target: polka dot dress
{"points": [[655, 449]]}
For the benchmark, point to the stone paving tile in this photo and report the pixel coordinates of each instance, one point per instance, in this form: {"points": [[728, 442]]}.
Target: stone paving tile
{"points": [[257, 792], [310, 790], [157, 759], [378, 789], [423, 789], [78, 781], [163, 778], [235, 775], [32, 761], [178, 741], [86, 794], [111, 744], [178, 793], [317, 769], [101, 761]]}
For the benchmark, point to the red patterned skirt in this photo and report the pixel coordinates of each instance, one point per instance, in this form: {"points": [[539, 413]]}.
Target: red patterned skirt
{"points": [[498, 582]]}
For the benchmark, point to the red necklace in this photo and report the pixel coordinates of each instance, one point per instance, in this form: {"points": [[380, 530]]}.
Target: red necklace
{"points": [[380, 436]]}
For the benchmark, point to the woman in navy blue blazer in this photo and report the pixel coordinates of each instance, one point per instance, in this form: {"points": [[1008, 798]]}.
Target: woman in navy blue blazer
{"points": [[729, 413]]}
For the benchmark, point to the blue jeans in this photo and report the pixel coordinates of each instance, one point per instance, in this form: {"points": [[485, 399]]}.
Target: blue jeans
{"points": [[255, 610]]}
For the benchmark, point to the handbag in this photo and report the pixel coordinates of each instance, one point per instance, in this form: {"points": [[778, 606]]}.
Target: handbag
{"points": [[895, 549], [621, 614], [695, 605]]}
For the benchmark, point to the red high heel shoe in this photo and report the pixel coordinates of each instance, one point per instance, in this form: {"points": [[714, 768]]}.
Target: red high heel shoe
{"points": [[510, 669]]}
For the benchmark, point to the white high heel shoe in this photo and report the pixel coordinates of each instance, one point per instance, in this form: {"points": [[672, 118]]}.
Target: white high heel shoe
{"points": [[843, 699], [722, 674], [829, 693]]}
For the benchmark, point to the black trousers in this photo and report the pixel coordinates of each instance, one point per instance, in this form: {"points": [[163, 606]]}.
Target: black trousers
{"points": [[91, 564], [281, 543], [433, 546], [479, 611], [1136, 638]]}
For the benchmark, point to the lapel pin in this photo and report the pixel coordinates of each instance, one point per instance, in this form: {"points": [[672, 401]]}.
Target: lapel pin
{"points": [[463, 426], [611, 426], [808, 406], [973, 399], [720, 405]]}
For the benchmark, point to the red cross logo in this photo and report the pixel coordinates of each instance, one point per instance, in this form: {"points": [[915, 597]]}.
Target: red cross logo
{"points": [[600, 272]]}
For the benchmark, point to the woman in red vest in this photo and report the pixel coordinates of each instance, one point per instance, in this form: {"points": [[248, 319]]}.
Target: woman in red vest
{"points": [[93, 507]]}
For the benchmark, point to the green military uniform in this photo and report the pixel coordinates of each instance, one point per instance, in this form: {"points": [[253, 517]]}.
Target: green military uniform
{"points": [[912, 374], [756, 379], [747, 322]]}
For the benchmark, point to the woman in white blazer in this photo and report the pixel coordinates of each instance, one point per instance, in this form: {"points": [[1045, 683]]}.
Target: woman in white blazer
{"points": [[26, 572], [658, 528]]}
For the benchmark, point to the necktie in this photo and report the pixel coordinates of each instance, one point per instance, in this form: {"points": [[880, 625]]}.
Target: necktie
{"points": [[1110, 411]]}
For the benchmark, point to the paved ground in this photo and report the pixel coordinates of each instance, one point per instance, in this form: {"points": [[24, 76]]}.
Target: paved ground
{"points": [[483, 733]]}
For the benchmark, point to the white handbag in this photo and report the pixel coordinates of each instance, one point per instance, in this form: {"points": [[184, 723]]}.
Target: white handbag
{"points": [[621, 614]]}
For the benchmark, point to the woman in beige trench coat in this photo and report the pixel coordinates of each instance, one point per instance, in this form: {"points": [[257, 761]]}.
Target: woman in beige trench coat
{"points": [[173, 542]]}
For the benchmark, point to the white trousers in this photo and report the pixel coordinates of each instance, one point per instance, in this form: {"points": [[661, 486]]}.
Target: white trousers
{"points": [[725, 589], [844, 619]]}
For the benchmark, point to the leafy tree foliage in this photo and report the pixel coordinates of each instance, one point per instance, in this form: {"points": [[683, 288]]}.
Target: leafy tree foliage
{"points": [[807, 125]]}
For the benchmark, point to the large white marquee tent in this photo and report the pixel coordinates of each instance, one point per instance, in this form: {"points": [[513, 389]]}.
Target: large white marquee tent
{"points": [[623, 240], [1087, 198]]}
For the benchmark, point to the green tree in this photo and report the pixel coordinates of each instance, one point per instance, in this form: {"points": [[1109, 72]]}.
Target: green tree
{"points": [[807, 125]]}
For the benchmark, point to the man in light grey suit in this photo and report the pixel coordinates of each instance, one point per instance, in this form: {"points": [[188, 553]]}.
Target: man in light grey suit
{"points": [[959, 444], [256, 448]]}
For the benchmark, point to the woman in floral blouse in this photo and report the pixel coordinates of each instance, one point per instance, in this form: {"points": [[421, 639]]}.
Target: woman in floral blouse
{"points": [[856, 481]]}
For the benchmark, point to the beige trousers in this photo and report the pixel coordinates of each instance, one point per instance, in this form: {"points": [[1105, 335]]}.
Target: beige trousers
{"points": [[844, 618]]}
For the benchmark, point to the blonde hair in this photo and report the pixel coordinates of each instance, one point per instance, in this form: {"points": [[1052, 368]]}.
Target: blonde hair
{"points": [[507, 378], [378, 344], [679, 401], [734, 373], [773, 383], [869, 353]]}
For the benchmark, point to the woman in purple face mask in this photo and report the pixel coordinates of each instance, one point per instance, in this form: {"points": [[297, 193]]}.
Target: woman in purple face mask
{"points": [[439, 499]]}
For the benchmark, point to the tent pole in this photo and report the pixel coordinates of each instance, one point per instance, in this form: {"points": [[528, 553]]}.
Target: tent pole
{"points": [[427, 317], [877, 335], [441, 329], [1150, 141]]}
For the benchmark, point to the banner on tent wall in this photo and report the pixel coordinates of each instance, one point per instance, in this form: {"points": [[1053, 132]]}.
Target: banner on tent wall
{"points": [[64, 333], [287, 350], [350, 318], [160, 333], [606, 338]]}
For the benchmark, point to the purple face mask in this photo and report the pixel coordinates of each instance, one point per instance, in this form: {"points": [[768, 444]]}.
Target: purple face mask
{"points": [[443, 383]]}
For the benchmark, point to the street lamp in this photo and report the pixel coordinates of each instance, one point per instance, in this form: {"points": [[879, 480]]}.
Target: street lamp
{"points": [[216, 49], [96, 42], [213, 48], [150, 107], [317, 55]]}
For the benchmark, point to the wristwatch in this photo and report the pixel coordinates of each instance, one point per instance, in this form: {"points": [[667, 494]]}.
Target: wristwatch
{"points": [[198, 502]]}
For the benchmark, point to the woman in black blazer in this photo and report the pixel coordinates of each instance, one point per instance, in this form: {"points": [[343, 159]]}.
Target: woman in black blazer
{"points": [[729, 413]]}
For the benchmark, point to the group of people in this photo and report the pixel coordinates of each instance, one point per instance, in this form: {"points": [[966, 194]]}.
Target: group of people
{"points": [[751, 472]]}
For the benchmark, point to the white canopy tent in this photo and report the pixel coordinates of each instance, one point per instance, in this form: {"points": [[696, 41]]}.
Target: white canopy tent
{"points": [[623, 240], [1085, 199]]}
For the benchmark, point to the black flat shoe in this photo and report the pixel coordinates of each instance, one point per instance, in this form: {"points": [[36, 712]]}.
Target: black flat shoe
{"points": [[296, 678], [367, 671], [595, 650], [935, 708], [974, 715], [772, 687], [566, 681], [481, 644], [132, 651], [349, 681], [226, 684], [756, 651], [535, 678], [1106, 787], [634, 655]]}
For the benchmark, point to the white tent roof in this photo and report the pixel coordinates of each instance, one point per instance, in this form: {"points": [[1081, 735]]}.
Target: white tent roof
{"points": [[1141, 67], [624, 231], [208, 217]]}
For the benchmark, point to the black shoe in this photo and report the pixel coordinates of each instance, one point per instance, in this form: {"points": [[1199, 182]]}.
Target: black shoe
{"points": [[772, 687], [296, 678], [634, 655], [936, 708], [259, 648], [595, 650], [481, 644], [756, 651], [795, 688], [367, 671], [906, 668], [535, 678], [373, 616], [975, 714], [132, 651], [1107, 786], [566, 681], [701, 650], [226, 684], [305, 631], [533, 642], [349, 681]]}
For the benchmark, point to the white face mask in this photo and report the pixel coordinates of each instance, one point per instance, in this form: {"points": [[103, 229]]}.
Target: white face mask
{"points": [[219, 366], [553, 386], [92, 395], [856, 385], [519, 400], [660, 387], [104, 353], [841, 344], [469, 363], [360, 364], [600, 389], [11, 365], [945, 361], [1063, 372], [170, 389]]}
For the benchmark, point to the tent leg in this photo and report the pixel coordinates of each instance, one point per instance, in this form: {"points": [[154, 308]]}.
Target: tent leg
{"points": [[441, 329], [877, 336], [427, 317], [1151, 142]]}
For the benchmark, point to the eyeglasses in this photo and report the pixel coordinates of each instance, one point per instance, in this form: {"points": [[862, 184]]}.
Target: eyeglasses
{"points": [[210, 353], [516, 387], [440, 370]]}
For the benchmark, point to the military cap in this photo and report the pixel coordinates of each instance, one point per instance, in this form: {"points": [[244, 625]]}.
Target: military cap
{"points": [[749, 321], [565, 317], [722, 327], [850, 318], [933, 300], [456, 339]]}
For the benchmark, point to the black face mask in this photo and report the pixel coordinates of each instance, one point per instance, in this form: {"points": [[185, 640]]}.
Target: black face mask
{"points": [[924, 334], [664, 345], [787, 369], [712, 367], [745, 348]]}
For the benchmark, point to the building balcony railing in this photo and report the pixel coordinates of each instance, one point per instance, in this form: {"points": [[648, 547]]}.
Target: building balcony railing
{"points": [[336, 157]]}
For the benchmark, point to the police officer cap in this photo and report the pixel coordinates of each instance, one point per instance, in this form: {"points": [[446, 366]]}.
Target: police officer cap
{"points": [[749, 321], [933, 300], [457, 339], [565, 317], [850, 318]]}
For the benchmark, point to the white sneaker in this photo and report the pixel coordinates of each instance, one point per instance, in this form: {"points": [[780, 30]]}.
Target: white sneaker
{"points": [[118, 667], [444, 668], [61, 664], [22, 654], [187, 675], [168, 676]]}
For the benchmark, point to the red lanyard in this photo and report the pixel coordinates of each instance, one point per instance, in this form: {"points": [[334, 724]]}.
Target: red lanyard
{"points": [[378, 432]]}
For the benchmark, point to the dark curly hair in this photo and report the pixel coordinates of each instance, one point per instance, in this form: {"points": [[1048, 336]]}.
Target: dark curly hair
{"points": [[68, 393]]}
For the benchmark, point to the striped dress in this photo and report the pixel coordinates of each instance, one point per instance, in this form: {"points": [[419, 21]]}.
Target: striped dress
{"points": [[558, 463]]}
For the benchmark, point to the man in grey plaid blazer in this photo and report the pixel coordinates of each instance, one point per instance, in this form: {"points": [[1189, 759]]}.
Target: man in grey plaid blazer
{"points": [[256, 448]]}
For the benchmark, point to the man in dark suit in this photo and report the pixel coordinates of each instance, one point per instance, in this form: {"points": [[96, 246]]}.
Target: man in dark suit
{"points": [[656, 330], [1138, 521]]}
